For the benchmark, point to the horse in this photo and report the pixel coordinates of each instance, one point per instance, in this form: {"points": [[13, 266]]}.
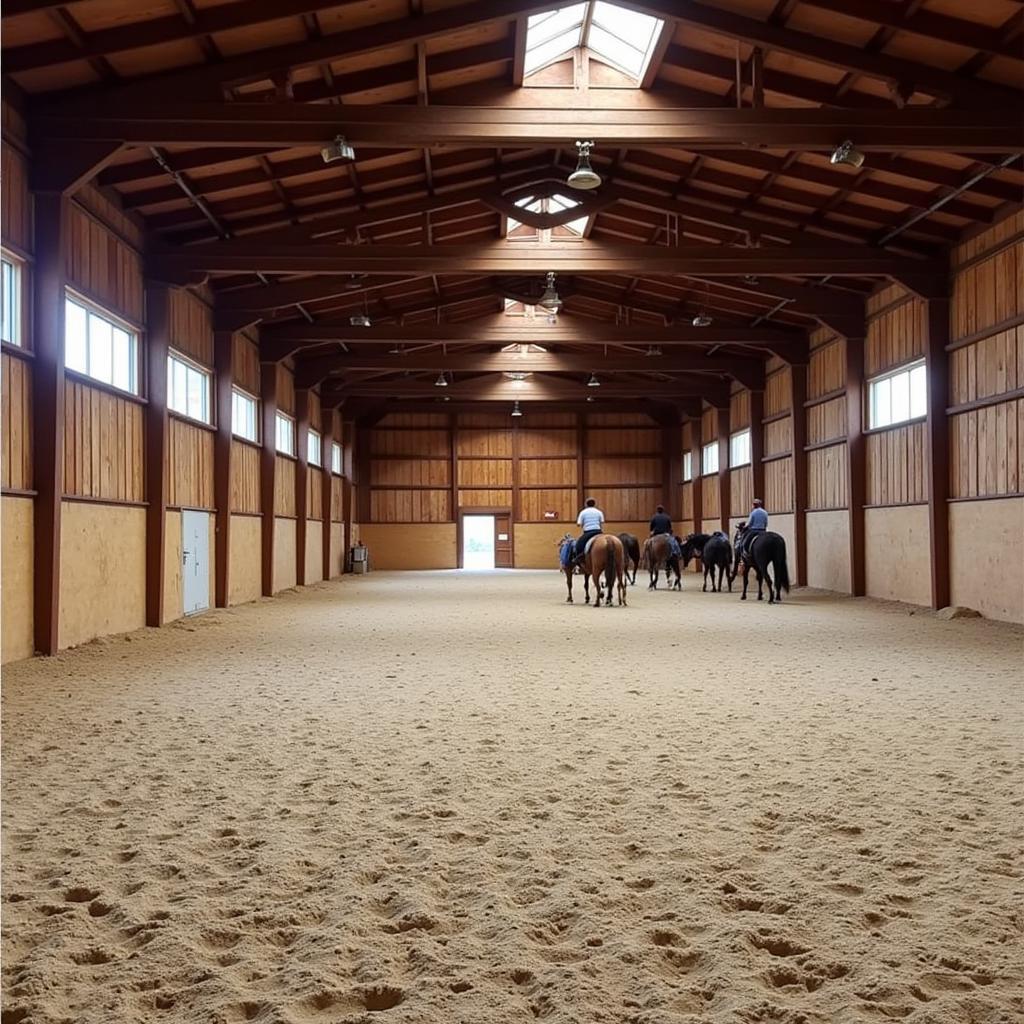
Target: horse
{"points": [[604, 559], [766, 549], [715, 552], [631, 548], [658, 553]]}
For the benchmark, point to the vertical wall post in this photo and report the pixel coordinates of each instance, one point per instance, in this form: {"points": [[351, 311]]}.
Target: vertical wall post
{"points": [[361, 480], [158, 342], [757, 443], [696, 479], [328, 417], [349, 440], [516, 511], [224, 377], [937, 370], [48, 413], [724, 479], [856, 461], [301, 481], [453, 468], [268, 470], [798, 421]]}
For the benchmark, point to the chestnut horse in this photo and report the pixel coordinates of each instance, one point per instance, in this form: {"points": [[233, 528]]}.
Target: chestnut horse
{"points": [[605, 562], [658, 553]]}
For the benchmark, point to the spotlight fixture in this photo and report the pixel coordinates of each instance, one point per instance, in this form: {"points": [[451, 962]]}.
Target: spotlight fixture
{"points": [[517, 375], [552, 317], [591, 398], [516, 411], [752, 279], [702, 320], [584, 177], [359, 320], [848, 154], [339, 149], [550, 300], [653, 350], [593, 382], [441, 382]]}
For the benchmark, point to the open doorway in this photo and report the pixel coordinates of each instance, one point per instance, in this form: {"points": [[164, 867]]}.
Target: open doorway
{"points": [[478, 542]]}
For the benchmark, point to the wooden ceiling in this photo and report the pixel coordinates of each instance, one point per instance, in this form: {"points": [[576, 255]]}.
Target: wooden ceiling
{"points": [[718, 192]]}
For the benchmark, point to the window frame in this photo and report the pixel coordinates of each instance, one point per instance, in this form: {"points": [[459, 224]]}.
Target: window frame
{"points": [[711, 446], [336, 450], [312, 434], [279, 418], [688, 466], [888, 376], [135, 368], [242, 393], [177, 356], [733, 438], [18, 275]]}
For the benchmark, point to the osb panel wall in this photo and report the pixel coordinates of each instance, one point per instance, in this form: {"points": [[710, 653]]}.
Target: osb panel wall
{"points": [[411, 545], [986, 451], [15, 200], [896, 466], [103, 444], [828, 551], [16, 581], [103, 266], [285, 389], [245, 572], [826, 477], [284, 487], [16, 425], [191, 326], [245, 366], [189, 469], [897, 563], [245, 478], [284, 554], [980, 535]]}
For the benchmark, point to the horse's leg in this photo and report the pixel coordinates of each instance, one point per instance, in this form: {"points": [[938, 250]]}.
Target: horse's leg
{"points": [[760, 583], [704, 589], [771, 585], [568, 583], [746, 575], [586, 581]]}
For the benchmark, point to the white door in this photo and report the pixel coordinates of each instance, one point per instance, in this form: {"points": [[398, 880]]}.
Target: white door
{"points": [[195, 560], [478, 542]]}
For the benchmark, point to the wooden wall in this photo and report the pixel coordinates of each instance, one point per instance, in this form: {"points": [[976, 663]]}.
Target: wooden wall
{"points": [[741, 480], [826, 422], [16, 427], [778, 437], [245, 455]]}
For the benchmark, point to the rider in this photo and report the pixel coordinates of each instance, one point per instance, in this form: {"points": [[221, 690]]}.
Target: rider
{"points": [[661, 523], [591, 520], [757, 522]]}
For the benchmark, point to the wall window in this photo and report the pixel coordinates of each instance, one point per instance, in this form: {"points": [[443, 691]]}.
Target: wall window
{"points": [[314, 448], [739, 449], [188, 388], [243, 415], [898, 397], [10, 299], [687, 466], [336, 458], [709, 458], [285, 429], [101, 347]]}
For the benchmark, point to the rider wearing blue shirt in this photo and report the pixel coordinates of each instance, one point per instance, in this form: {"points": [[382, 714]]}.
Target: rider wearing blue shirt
{"points": [[757, 522]]}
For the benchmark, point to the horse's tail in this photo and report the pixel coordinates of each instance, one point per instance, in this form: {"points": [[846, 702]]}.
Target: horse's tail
{"points": [[781, 569], [609, 567]]}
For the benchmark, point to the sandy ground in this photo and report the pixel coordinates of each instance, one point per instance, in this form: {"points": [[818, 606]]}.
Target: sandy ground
{"points": [[440, 797]]}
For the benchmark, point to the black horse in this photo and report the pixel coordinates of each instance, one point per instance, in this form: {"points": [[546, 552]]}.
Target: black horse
{"points": [[631, 546], [715, 552], [765, 549]]}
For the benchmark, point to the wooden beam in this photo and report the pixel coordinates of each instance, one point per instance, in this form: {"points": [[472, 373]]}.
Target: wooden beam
{"points": [[268, 471], [158, 341], [757, 442], [51, 230], [995, 128], [724, 472], [937, 369], [453, 470], [856, 461], [328, 417], [242, 256], [798, 421], [301, 480], [223, 370], [64, 168], [696, 482]]}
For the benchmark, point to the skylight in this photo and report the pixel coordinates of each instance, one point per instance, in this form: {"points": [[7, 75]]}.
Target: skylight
{"points": [[624, 39], [550, 204]]}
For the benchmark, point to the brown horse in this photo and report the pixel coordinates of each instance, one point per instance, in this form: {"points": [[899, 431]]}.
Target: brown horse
{"points": [[658, 553], [605, 562]]}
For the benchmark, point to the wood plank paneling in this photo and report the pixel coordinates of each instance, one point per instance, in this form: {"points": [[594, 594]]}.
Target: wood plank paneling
{"points": [[778, 485], [189, 469], [483, 442], [896, 470], [739, 410], [710, 500], [314, 493], [191, 327], [285, 390], [633, 472], [485, 473], [988, 292], [537, 443], [826, 477], [777, 392], [741, 491], [15, 199], [246, 364], [484, 497], [560, 500], [778, 436], [826, 371], [103, 267], [987, 451], [406, 442], [826, 421], [686, 500], [284, 487], [410, 506], [895, 336], [336, 499], [103, 444], [547, 472], [400, 472], [992, 366], [16, 426], [245, 478], [630, 441], [627, 504]]}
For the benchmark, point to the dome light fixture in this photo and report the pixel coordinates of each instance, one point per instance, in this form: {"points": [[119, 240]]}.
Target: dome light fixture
{"points": [[846, 153], [593, 382], [339, 149], [359, 320], [516, 411], [550, 299], [584, 177], [653, 350], [441, 382], [702, 320]]}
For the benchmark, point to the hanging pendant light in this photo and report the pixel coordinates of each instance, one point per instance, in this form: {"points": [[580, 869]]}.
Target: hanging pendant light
{"points": [[550, 300], [846, 153], [593, 382], [516, 411], [653, 350], [441, 382], [702, 319], [359, 320], [584, 177]]}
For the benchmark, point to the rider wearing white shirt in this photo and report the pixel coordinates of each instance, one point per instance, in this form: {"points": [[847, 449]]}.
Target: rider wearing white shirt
{"points": [[591, 521]]}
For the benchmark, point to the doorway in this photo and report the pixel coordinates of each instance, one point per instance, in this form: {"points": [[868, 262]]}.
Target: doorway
{"points": [[485, 540], [195, 561]]}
